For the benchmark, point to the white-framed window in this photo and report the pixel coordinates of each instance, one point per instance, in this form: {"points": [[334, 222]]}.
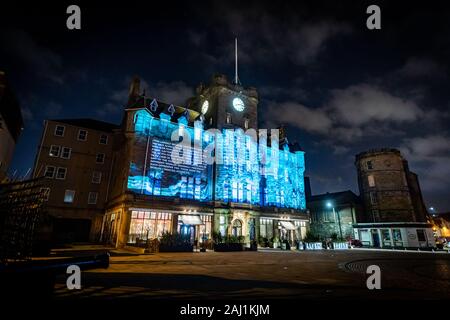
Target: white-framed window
{"points": [[59, 131], [103, 139], [66, 152], [69, 196], [82, 135], [100, 158], [61, 173], [46, 193], [92, 198], [54, 151], [49, 172], [246, 121], [96, 177], [371, 181]]}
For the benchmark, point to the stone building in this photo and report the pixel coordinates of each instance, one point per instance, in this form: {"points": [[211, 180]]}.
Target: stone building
{"points": [[333, 214], [75, 158], [11, 125], [254, 187], [394, 212], [237, 196]]}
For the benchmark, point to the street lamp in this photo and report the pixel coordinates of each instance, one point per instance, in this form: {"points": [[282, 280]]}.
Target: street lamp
{"points": [[329, 204], [432, 211]]}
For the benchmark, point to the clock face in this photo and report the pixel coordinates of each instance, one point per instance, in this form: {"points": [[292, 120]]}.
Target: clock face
{"points": [[238, 104], [205, 106]]}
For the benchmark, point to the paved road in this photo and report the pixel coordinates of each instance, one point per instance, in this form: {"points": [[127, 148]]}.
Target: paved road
{"points": [[264, 275]]}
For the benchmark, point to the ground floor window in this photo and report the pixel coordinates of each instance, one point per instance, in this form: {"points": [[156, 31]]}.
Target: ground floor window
{"points": [[266, 228], [206, 228], [397, 235], [386, 236], [237, 228], [222, 225], [421, 235], [147, 225]]}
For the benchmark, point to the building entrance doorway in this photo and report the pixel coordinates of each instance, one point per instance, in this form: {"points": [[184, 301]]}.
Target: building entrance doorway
{"points": [[188, 232]]}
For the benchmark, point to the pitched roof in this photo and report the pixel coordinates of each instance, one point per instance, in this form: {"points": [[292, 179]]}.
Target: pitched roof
{"points": [[337, 197], [145, 102], [89, 124]]}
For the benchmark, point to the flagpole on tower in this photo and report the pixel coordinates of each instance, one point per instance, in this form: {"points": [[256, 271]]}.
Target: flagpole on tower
{"points": [[236, 77]]}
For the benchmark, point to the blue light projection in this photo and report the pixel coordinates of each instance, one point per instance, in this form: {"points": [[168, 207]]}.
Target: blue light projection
{"points": [[238, 177], [152, 170], [245, 172]]}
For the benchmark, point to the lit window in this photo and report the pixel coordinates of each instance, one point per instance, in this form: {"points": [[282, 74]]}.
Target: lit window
{"points": [[54, 151], [197, 133], [371, 180], [180, 130], [59, 131], [100, 158], [61, 173], [96, 177], [82, 135], [66, 153], [103, 139], [92, 199], [49, 171], [69, 196]]}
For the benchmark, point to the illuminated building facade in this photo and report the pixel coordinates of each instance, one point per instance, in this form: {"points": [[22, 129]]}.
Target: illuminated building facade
{"points": [[203, 168]]}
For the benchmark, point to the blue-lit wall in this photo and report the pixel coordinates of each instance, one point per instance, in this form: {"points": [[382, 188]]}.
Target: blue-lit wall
{"points": [[244, 173], [151, 170], [251, 175]]}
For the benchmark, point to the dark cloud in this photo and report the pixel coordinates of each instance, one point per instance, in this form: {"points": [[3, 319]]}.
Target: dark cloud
{"points": [[39, 60]]}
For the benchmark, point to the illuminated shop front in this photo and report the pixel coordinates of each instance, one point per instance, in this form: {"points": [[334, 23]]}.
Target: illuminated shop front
{"points": [[196, 227], [282, 228], [148, 225], [395, 234]]}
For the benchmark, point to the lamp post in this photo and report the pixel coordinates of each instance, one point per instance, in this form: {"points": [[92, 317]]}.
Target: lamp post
{"points": [[432, 211], [330, 205]]}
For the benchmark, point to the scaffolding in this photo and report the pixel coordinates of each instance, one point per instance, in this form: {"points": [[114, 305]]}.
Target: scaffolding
{"points": [[21, 208]]}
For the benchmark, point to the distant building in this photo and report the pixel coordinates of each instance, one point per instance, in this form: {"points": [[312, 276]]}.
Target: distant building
{"points": [[441, 224], [75, 157], [333, 214], [11, 124], [394, 212]]}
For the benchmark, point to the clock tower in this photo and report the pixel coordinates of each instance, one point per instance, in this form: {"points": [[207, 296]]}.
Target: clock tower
{"points": [[226, 105]]}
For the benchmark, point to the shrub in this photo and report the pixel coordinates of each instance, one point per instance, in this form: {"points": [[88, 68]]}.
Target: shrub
{"points": [[311, 237]]}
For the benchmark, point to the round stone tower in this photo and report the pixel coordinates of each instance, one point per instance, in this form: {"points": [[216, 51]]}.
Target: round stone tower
{"points": [[383, 185]]}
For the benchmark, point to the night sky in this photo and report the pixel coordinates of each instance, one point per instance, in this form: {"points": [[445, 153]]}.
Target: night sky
{"points": [[339, 87]]}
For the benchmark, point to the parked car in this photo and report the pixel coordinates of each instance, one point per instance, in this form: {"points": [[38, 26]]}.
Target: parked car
{"points": [[355, 243]]}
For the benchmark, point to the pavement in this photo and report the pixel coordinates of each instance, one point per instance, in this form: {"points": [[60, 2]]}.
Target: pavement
{"points": [[262, 275]]}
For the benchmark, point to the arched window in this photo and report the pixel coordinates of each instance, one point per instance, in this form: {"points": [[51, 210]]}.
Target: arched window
{"points": [[237, 228]]}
